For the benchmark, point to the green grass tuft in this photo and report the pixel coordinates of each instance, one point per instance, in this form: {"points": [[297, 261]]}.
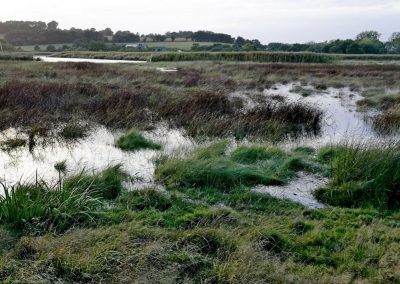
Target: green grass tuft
{"points": [[133, 141], [362, 177], [248, 166], [107, 185], [251, 155]]}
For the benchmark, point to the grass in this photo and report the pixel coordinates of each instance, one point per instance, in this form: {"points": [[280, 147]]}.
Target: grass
{"points": [[272, 57], [133, 141], [249, 166], [115, 96], [15, 57], [13, 143], [107, 184], [40, 208], [208, 226], [74, 131], [388, 122], [175, 239], [362, 176], [197, 234]]}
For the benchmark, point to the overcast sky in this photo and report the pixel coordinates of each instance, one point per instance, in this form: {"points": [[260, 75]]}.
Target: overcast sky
{"points": [[267, 20]]}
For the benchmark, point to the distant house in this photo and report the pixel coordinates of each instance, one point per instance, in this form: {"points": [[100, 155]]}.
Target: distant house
{"points": [[139, 45]]}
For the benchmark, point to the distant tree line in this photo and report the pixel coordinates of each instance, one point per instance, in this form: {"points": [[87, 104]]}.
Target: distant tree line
{"points": [[19, 33], [367, 42], [39, 33]]}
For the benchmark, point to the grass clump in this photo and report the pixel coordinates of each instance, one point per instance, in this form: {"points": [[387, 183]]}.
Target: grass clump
{"points": [[248, 166], [388, 122], [39, 208], [211, 167], [146, 199], [362, 177], [74, 131], [250, 155], [106, 185], [13, 143], [133, 141]]}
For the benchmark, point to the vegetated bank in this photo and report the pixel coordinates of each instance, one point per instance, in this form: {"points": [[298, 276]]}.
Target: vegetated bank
{"points": [[209, 226], [116, 95], [272, 57], [91, 229]]}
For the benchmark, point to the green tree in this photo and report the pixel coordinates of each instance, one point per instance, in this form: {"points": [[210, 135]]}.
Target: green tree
{"points": [[371, 35], [393, 45], [52, 26]]}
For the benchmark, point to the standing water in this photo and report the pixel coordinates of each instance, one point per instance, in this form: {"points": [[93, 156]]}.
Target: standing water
{"points": [[91, 154]]}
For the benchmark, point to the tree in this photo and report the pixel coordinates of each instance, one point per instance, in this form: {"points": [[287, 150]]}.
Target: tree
{"points": [[125, 36], [51, 48], [393, 45], [107, 32], [249, 47], [6, 46], [52, 26], [37, 48], [240, 41], [372, 35]]}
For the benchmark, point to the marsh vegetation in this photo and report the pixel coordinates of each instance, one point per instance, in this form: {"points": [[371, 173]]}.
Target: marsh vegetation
{"points": [[156, 176]]}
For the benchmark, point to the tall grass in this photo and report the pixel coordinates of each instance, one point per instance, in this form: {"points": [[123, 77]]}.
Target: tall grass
{"points": [[362, 176], [15, 57], [270, 57], [39, 208]]}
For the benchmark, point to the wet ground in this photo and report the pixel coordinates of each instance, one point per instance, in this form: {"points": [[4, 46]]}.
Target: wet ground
{"points": [[97, 151]]}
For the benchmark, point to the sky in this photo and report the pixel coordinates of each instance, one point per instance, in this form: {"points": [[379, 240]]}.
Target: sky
{"points": [[269, 21]]}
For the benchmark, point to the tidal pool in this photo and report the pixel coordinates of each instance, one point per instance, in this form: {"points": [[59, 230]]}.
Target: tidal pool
{"points": [[91, 154]]}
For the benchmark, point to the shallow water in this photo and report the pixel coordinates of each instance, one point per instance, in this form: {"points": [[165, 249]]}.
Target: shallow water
{"points": [[299, 190], [92, 154], [341, 120], [97, 151], [89, 60]]}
